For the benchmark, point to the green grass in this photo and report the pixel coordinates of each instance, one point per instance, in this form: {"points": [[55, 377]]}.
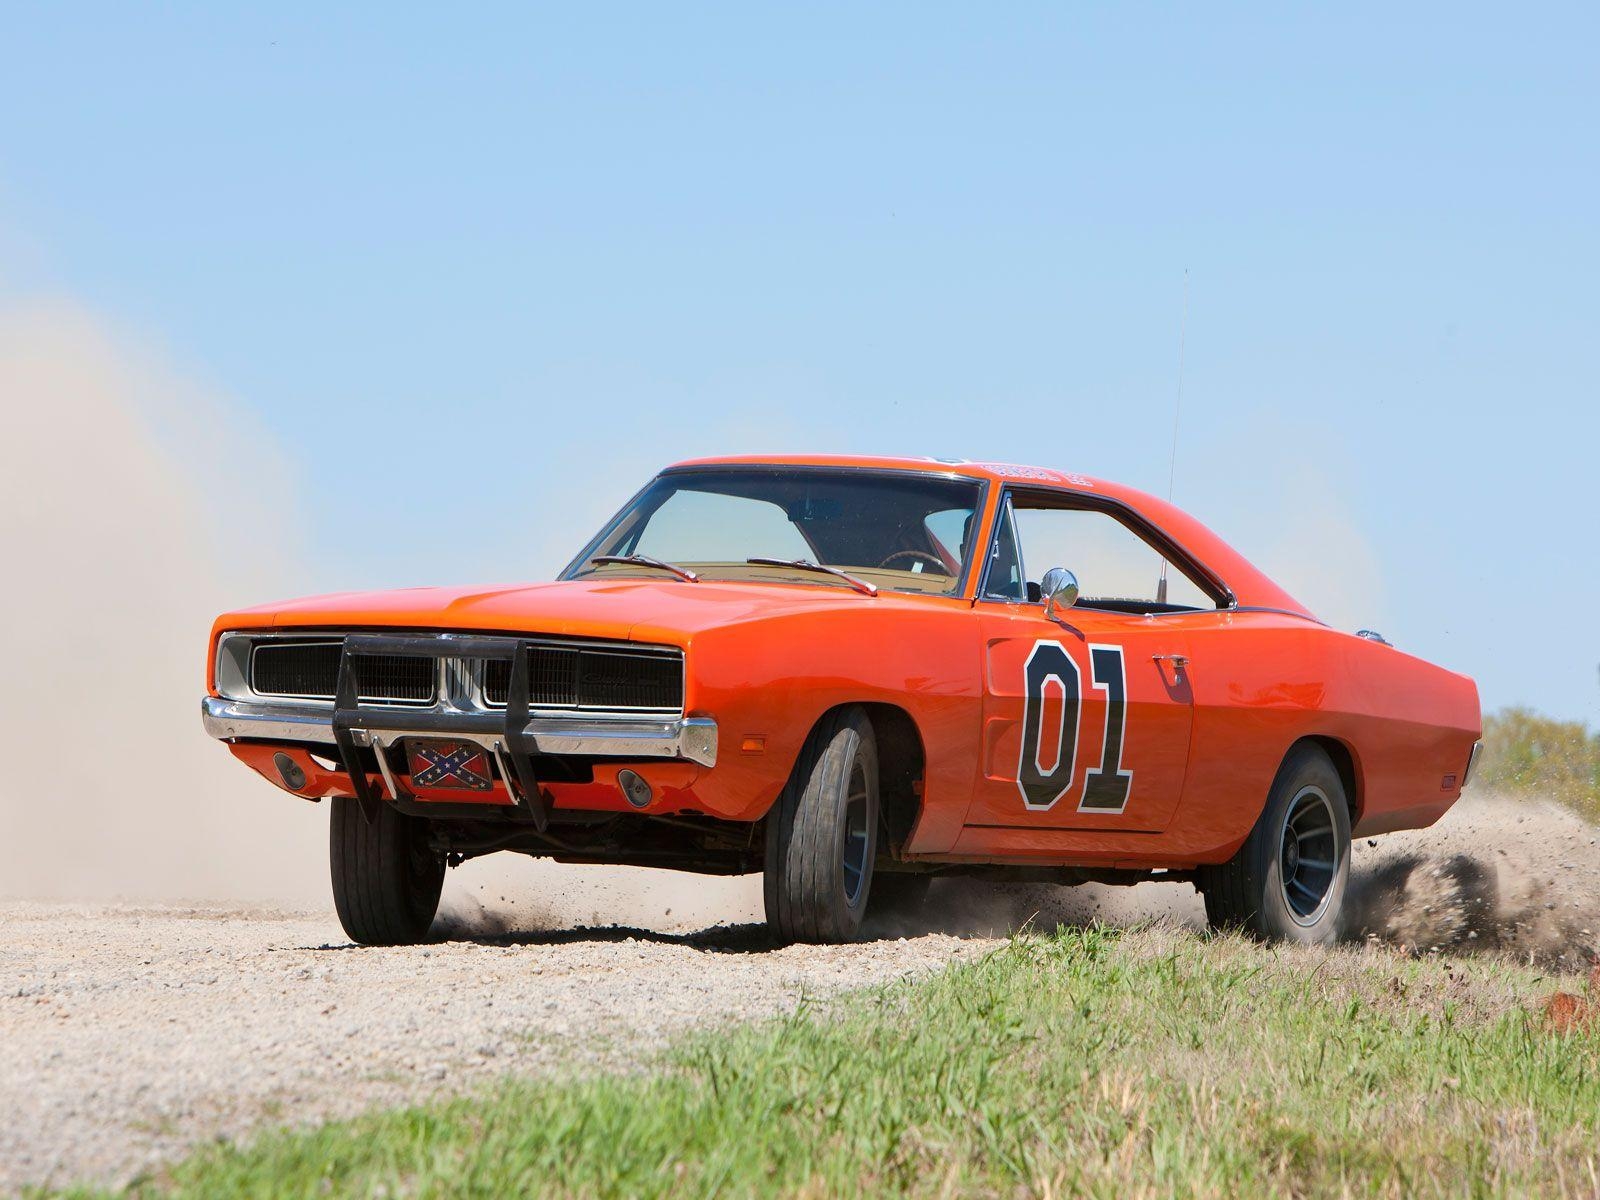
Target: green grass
{"points": [[1148, 1062]]}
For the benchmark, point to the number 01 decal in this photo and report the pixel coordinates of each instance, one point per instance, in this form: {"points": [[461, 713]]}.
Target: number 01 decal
{"points": [[1106, 787]]}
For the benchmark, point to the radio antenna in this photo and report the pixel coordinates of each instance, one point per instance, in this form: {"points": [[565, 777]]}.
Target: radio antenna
{"points": [[1177, 411]]}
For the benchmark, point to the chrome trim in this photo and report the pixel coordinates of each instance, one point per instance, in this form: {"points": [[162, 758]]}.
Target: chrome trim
{"points": [[1058, 588], [692, 738], [459, 686], [622, 735], [1472, 763], [235, 668], [1254, 608], [380, 751], [499, 752], [229, 719]]}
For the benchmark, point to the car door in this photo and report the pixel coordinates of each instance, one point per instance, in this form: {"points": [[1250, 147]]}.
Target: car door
{"points": [[1087, 710]]}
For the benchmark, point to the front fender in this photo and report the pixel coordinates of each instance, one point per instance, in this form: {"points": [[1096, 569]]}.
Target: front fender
{"points": [[767, 683]]}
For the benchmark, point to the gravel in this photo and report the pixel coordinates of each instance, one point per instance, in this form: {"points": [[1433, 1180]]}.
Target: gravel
{"points": [[134, 1033], [131, 1034]]}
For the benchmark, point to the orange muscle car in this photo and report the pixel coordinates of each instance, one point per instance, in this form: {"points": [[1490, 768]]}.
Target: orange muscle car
{"points": [[853, 674]]}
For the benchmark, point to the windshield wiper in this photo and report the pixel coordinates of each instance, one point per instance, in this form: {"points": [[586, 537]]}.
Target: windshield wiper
{"points": [[805, 564], [644, 560]]}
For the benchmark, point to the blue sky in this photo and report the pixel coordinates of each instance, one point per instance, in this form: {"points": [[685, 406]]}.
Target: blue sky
{"points": [[477, 272]]}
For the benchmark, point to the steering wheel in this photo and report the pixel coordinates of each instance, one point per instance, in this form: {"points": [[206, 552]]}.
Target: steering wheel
{"points": [[923, 555]]}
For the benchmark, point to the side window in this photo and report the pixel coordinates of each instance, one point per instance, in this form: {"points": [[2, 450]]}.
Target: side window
{"points": [[1004, 579], [1115, 567], [713, 527]]}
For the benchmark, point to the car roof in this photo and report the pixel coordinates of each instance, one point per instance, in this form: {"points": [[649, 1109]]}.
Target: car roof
{"points": [[954, 466], [1250, 587]]}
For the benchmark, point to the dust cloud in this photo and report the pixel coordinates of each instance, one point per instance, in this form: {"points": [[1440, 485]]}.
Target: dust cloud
{"points": [[983, 908], [1497, 875], [507, 894], [134, 506]]}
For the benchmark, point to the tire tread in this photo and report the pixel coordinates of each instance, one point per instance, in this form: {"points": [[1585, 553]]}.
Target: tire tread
{"points": [[378, 902], [803, 828]]}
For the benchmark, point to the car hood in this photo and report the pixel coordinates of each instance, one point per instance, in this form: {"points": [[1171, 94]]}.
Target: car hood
{"points": [[646, 610]]}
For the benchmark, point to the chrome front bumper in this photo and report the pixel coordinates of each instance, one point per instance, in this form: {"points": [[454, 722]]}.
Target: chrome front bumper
{"points": [[693, 739]]}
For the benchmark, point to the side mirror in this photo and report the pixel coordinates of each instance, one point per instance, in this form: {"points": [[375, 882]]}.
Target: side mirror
{"points": [[1058, 589]]}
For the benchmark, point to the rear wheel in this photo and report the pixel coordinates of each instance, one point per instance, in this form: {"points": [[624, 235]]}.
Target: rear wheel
{"points": [[1288, 880], [386, 877], [822, 834]]}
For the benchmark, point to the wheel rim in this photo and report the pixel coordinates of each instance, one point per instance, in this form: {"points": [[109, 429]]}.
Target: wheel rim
{"points": [[1308, 856], [854, 858]]}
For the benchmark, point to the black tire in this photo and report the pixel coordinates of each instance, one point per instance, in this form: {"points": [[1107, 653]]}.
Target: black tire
{"points": [[1308, 808], [822, 834], [386, 878]]}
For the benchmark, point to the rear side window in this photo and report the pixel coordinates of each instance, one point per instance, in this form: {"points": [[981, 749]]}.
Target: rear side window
{"points": [[1115, 566]]}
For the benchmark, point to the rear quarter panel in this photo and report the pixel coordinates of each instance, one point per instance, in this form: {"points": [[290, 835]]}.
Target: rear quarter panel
{"points": [[1263, 681]]}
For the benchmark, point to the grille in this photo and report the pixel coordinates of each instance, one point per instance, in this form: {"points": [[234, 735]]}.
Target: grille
{"points": [[310, 670], [576, 677]]}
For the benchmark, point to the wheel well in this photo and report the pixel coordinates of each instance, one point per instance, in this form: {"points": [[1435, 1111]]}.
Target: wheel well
{"points": [[1344, 762], [900, 770]]}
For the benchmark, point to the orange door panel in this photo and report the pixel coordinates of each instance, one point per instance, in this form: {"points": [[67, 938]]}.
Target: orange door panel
{"points": [[1086, 722]]}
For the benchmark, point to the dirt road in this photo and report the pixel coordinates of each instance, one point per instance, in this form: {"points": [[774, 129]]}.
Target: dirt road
{"points": [[133, 1033]]}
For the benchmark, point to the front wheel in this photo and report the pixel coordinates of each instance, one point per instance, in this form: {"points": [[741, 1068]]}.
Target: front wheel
{"points": [[386, 876], [1288, 880], [822, 834]]}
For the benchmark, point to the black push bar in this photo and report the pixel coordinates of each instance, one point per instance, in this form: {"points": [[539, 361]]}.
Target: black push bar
{"points": [[348, 715]]}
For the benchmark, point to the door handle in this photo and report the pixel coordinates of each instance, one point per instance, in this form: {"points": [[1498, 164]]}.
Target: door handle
{"points": [[1179, 661]]}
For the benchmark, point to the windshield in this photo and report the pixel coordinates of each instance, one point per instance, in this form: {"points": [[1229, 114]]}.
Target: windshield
{"points": [[894, 529]]}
